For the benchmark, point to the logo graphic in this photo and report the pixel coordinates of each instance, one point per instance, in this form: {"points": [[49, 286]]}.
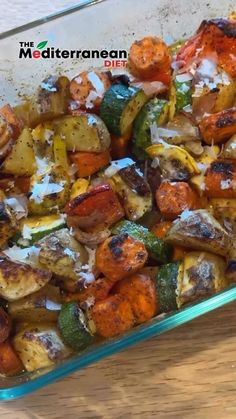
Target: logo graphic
{"points": [[111, 58]]}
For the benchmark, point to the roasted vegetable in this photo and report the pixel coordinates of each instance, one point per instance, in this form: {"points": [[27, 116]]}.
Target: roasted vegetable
{"points": [[5, 322], [149, 59], [175, 162], [74, 326], [119, 145], [229, 149], [220, 179], [161, 229], [199, 230], [15, 123], [175, 197], [95, 209], [18, 279], [50, 102], [120, 256], [139, 290], [89, 163], [154, 111], [112, 316], [61, 254], [98, 290], [84, 132], [88, 89], [60, 153], [40, 346], [43, 305], [49, 192], [10, 363], [180, 94], [156, 247], [224, 211], [218, 127], [215, 36], [167, 281], [79, 186], [132, 188], [21, 160], [120, 106], [203, 275], [35, 228], [204, 161], [8, 223]]}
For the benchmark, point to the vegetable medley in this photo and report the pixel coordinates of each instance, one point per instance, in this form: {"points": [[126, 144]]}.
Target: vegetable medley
{"points": [[117, 196]]}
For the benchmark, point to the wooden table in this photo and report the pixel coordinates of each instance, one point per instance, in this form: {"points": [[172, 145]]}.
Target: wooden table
{"points": [[186, 373]]}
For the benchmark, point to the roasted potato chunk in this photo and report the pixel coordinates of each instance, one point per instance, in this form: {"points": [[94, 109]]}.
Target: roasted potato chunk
{"points": [[199, 230], [61, 254], [203, 275], [18, 279], [43, 305], [49, 192], [40, 346]]}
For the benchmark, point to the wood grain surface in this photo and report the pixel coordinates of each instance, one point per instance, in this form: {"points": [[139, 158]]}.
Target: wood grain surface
{"points": [[189, 372]]}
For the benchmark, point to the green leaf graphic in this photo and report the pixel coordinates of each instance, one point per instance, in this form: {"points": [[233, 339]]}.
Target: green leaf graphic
{"points": [[42, 44]]}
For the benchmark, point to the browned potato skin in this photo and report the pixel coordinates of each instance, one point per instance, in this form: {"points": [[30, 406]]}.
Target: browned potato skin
{"points": [[120, 256], [18, 279], [112, 316], [140, 291], [81, 86], [5, 325], [218, 127]]}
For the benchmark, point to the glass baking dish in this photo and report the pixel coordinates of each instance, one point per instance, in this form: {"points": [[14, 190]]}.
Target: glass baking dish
{"points": [[99, 25]]}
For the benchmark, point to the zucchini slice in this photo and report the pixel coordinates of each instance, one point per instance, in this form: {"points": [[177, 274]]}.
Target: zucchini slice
{"points": [[180, 95], [154, 111], [175, 162], [74, 326], [35, 228], [167, 283], [120, 106], [157, 248]]}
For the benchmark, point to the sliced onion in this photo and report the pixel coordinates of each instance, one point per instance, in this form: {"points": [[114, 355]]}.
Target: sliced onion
{"points": [[91, 239]]}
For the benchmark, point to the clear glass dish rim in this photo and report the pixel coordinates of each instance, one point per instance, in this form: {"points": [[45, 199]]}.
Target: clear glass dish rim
{"points": [[143, 332], [109, 347], [48, 18]]}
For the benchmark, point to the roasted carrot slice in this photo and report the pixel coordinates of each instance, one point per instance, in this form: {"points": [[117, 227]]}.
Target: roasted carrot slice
{"points": [[175, 197], [120, 256], [214, 36], [119, 145], [10, 363], [97, 290], [88, 89], [160, 229], [99, 206], [16, 124], [140, 291], [149, 59], [218, 127], [220, 179], [112, 316], [89, 163]]}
